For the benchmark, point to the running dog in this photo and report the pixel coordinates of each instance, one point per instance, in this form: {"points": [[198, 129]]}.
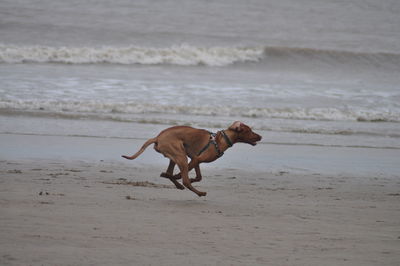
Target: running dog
{"points": [[180, 142]]}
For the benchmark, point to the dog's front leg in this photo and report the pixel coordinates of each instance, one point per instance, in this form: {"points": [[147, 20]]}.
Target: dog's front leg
{"points": [[198, 174]]}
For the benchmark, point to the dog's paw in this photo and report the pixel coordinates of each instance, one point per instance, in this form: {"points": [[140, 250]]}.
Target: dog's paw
{"points": [[202, 194], [163, 174], [179, 186], [177, 176]]}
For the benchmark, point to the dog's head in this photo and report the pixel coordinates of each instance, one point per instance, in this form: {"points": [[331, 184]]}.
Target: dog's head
{"points": [[244, 133]]}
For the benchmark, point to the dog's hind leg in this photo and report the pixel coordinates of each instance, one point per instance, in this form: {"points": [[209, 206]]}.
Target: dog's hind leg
{"points": [[169, 174], [170, 170]]}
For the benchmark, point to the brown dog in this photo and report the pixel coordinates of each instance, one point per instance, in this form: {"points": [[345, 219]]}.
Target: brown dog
{"points": [[179, 142]]}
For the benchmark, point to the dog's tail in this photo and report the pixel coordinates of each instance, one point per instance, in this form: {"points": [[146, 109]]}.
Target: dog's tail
{"points": [[145, 145]]}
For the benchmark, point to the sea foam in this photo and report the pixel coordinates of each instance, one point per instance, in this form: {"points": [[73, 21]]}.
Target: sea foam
{"points": [[100, 108], [185, 55]]}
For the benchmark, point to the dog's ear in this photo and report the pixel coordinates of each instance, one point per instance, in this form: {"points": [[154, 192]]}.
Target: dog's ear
{"points": [[236, 126]]}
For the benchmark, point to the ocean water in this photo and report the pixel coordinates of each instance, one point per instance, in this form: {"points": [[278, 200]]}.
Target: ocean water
{"points": [[300, 72]]}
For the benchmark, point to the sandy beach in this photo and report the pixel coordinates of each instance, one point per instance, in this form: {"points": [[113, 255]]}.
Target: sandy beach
{"points": [[64, 211]]}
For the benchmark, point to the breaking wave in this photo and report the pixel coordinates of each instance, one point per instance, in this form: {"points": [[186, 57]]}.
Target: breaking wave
{"points": [[184, 55], [118, 111]]}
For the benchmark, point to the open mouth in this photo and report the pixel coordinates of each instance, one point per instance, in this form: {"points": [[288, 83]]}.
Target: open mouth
{"points": [[254, 141]]}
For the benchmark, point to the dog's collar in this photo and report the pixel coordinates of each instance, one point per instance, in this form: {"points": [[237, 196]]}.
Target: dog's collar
{"points": [[228, 141]]}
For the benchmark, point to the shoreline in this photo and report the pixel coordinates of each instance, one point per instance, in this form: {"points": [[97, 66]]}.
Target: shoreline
{"points": [[265, 157]]}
